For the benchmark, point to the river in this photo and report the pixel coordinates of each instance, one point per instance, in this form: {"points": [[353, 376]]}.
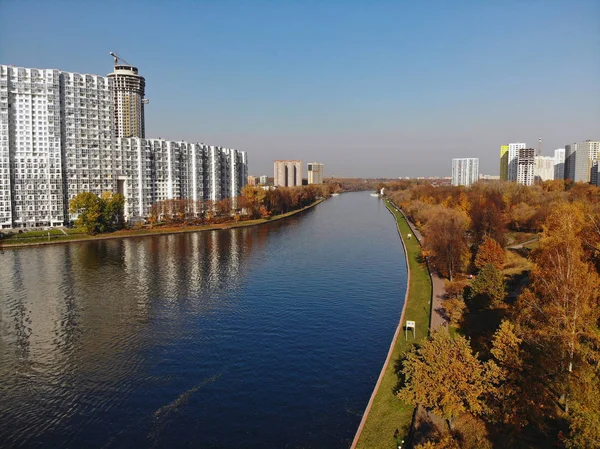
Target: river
{"points": [[269, 336]]}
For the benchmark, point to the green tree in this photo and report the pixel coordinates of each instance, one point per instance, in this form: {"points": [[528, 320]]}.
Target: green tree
{"points": [[490, 282], [113, 206], [88, 208], [98, 214], [444, 376]]}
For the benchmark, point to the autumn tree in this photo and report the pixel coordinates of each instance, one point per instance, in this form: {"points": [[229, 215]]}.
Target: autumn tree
{"points": [[453, 304], [490, 251], [98, 214], [487, 215], [559, 313], [445, 241], [252, 199], [584, 417], [445, 442], [490, 282], [444, 376], [507, 405]]}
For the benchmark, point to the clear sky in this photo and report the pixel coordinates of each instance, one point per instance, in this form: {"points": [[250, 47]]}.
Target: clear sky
{"points": [[369, 88]]}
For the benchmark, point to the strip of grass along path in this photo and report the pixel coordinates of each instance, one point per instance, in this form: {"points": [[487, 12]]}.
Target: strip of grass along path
{"points": [[389, 413]]}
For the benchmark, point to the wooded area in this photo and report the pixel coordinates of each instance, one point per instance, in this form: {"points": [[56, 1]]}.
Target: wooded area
{"points": [[520, 365]]}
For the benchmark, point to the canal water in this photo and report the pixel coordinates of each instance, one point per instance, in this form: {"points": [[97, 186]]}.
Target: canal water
{"points": [[269, 336]]}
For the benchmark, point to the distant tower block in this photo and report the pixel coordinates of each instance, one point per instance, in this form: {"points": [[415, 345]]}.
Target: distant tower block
{"points": [[315, 173], [128, 94]]}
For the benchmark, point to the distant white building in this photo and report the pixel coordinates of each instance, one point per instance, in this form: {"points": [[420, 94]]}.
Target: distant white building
{"points": [[315, 173], [465, 171], [513, 156], [287, 173], [559, 163], [543, 169], [264, 180]]}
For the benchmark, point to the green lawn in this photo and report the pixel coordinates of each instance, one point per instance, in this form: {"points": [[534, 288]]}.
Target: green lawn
{"points": [[387, 412]]}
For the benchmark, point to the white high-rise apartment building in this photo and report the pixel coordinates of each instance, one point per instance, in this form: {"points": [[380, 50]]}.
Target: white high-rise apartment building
{"points": [[513, 154], [287, 173], [58, 139], [155, 170], [315, 173], [86, 114], [580, 161], [31, 169], [128, 95], [526, 166], [543, 169], [465, 171], [559, 163]]}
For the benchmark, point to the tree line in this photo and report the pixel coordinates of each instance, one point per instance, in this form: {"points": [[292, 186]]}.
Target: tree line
{"points": [[99, 214], [522, 360]]}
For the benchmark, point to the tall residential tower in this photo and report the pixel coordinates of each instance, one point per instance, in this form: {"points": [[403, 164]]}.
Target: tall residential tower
{"points": [[315, 173], [128, 94], [287, 173], [465, 171]]}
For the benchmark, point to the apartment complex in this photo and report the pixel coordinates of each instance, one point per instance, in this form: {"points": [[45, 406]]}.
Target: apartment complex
{"points": [[581, 160], [287, 173], [315, 173], [465, 171], [263, 180], [58, 137]]}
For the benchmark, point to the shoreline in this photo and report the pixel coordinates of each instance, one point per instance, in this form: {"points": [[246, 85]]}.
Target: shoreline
{"points": [[184, 230], [392, 414], [392, 344]]}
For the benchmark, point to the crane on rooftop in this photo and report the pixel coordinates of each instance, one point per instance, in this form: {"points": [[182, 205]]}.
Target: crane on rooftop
{"points": [[118, 58]]}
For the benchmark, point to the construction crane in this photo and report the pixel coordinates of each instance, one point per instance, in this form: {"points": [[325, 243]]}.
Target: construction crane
{"points": [[118, 58]]}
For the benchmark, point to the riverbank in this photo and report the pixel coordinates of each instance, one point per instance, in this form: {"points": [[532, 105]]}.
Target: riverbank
{"points": [[386, 416], [158, 231]]}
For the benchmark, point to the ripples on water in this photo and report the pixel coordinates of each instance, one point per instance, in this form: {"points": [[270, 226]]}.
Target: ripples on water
{"points": [[271, 336]]}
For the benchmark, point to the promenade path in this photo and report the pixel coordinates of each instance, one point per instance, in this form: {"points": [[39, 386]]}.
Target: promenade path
{"points": [[437, 317]]}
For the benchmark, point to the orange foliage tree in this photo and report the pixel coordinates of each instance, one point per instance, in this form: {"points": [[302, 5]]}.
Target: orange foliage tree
{"points": [[490, 251], [445, 241]]}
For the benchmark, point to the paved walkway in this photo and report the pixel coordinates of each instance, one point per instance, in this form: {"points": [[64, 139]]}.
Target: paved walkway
{"points": [[522, 244], [438, 288]]}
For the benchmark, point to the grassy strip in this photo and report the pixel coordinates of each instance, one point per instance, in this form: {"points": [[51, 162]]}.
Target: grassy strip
{"points": [[14, 241], [387, 412]]}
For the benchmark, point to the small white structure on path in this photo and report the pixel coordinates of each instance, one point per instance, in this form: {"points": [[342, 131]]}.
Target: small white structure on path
{"points": [[409, 325]]}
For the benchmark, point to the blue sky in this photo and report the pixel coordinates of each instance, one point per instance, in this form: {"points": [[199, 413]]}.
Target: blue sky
{"points": [[370, 88]]}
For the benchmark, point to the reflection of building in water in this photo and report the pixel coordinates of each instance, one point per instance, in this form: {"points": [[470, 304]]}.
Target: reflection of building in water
{"points": [[80, 306]]}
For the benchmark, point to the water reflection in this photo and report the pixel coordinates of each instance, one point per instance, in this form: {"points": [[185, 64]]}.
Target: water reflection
{"points": [[201, 339], [73, 317]]}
